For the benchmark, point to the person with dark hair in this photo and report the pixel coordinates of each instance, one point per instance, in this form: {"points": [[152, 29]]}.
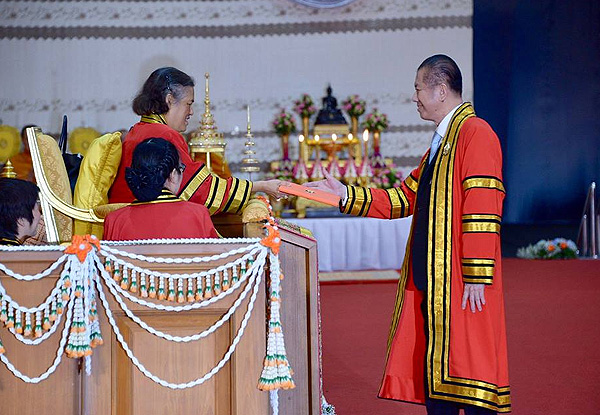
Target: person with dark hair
{"points": [[165, 106], [19, 211], [447, 341], [154, 178]]}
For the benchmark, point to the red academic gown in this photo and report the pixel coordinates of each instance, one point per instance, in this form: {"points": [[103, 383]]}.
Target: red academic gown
{"points": [[166, 217], [198, 185], [465, 358]]}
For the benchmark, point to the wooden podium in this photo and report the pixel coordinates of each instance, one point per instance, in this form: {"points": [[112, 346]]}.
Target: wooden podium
{"points": [[117, 387]]}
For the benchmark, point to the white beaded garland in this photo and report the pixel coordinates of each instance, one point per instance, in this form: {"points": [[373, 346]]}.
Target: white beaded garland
{"points": [[76, 291]]}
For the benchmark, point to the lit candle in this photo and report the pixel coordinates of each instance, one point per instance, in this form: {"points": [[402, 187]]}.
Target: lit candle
{"points": [[334, 139], [350, 137], [366, 141], [301, 147], [317, 138], [248, 109]]}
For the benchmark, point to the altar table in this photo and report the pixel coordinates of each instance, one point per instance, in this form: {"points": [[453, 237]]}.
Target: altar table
{"points": [[355, 244]]}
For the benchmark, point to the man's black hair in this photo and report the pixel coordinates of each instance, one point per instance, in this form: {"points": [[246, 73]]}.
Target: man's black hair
{"points": [[17, 200], [440, 69]]}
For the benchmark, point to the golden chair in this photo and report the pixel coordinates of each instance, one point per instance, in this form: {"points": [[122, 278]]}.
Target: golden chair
{"points": [[55, 192]]}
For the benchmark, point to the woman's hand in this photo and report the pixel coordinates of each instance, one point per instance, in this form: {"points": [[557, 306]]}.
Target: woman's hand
{"points": [[270, 187], [330, 185]]}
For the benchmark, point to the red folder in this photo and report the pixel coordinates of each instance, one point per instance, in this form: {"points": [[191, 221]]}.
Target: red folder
{"points": [[310, 193]]}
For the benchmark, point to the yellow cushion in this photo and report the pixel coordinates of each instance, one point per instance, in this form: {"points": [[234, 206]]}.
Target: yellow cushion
{"points": [[58, 180], [96, 175]]}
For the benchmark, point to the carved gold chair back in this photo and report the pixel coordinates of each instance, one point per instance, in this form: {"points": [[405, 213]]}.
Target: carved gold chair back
{"points": [[55, 192]]}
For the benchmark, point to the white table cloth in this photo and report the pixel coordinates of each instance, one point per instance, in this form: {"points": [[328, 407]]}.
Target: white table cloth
{"points": [[354, 244]]}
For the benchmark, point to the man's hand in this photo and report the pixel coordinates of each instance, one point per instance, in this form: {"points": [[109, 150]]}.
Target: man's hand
{"points": [[475, 295], [270, 187], [330, 184]]}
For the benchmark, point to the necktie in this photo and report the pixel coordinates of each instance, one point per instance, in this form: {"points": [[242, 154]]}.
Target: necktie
{"points": [[435, 145]]}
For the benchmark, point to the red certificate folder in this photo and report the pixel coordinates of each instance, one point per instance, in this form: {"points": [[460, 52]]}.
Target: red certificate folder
{"points": [[310, 193]]}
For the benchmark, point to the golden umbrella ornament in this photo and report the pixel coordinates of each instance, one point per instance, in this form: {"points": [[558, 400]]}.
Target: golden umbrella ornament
{"points": [[81, 138], [10, 142]]}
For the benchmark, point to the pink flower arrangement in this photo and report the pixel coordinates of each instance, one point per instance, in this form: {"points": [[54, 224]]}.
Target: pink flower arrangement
{"points": [[305, 106], [388, 178], [284, 123], [376, 121], [354, 106]]}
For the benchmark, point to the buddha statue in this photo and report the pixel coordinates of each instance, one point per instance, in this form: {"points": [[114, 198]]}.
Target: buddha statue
{"points": [[330, 113]]}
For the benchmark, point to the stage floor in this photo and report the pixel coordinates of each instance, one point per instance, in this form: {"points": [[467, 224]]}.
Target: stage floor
{"points": [[552, 313]]}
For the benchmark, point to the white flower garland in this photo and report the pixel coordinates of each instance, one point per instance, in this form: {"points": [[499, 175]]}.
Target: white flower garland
{"points": [[80, 283], [197, 381], [256, 268], [146, 271], [38, 276], [57, 359]]}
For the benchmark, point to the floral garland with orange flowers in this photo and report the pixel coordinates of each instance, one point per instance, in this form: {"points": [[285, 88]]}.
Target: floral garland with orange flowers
{"points": [[85, 277]]}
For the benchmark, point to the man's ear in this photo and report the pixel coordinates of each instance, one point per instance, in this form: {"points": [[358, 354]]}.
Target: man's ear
{"points": [[443, 92]]}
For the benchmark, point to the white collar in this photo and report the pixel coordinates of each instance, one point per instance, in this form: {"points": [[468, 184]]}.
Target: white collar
{"points": [[443, 126]]}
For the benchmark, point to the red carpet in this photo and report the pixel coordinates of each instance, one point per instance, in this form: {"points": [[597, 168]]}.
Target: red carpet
{"points": [[553, 323]]}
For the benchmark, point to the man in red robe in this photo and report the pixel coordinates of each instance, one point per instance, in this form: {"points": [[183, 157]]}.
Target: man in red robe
{"points": [[447, 342]]}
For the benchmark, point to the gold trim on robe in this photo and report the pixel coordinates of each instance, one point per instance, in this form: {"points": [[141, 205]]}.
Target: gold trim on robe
{"points": [[479, 222], [478, 270], [194, 183], [216, 194], [487, 182], [165, 197], [359, 201], [154, 119], [9, 242], [238, 195], [439, 261]]}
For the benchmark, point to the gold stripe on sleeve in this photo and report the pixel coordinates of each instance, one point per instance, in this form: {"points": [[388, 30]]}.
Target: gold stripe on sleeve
{"points": [[394, 196], [487, 182], [481, 227], [412, 183], [477, 271], [481, 217], [487, 281], [194, 183], [216, 194], [367, 203], [350, 201], [239, 194], [478, 261], [358, 198]]}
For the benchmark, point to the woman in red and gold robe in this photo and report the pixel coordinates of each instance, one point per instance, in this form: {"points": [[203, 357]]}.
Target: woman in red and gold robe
{"points": [[155, 175], [165, 106]]}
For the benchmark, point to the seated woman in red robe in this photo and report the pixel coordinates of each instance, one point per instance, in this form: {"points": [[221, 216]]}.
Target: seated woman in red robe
{"points": [[154, 178], [165, 106]]}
